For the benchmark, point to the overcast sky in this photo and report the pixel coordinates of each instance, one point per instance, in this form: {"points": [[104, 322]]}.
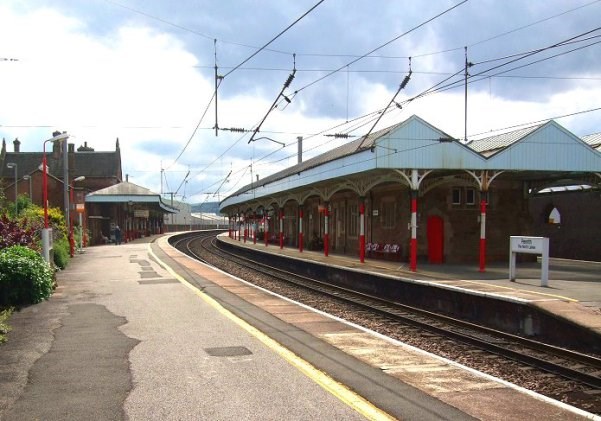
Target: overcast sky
{"points": [[143, 71]]}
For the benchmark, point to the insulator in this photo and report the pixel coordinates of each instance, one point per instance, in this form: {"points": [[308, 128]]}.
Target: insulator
{"points": [[405, 81], [289, 80]]}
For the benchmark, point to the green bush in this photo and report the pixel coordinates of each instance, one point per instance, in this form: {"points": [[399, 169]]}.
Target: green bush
{"points": [[61, 252], [25, 278]]}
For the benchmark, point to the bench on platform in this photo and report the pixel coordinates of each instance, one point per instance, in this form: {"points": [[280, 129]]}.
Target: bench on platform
{"points": [[383, 251]]}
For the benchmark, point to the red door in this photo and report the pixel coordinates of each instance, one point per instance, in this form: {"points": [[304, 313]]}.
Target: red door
{"points": [[435, 233]]}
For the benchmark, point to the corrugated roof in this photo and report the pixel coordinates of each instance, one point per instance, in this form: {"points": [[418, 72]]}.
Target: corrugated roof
{"points": [[593, 139], [124, 188], [126, 191], [351, 148], [490, 145]]}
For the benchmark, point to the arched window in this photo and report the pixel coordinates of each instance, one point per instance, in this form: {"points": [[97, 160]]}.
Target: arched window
{"points": [[554, 216]]}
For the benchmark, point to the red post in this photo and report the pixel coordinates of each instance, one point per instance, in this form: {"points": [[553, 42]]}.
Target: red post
{"points": [[326, 235], [483, 232], [45, 186], [362, 231], [300, 230], [255, 229], [413, 244]]}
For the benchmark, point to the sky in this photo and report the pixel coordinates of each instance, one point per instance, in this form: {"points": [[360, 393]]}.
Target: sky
{"points": [[143, 71]]}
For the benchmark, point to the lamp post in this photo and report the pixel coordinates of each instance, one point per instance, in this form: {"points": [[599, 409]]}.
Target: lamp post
{"points": [[46, 231], [13, 165], [71, 239], [28, 178]]}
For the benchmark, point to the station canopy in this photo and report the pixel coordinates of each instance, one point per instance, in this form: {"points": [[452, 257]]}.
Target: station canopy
{"points": [[126, 192]]}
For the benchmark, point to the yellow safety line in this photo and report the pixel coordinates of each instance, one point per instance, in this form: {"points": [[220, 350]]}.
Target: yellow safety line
{"points": [[523, 291], [355, 401]]}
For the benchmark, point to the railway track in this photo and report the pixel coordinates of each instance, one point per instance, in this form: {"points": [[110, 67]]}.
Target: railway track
{"points": [[558, 368]]}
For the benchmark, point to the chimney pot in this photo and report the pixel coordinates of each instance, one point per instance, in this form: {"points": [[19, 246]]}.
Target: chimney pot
{"points": [[17, 144]]}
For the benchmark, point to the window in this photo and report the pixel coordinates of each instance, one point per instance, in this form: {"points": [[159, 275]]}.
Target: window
{"points": [[456, 196], [470, 196]]}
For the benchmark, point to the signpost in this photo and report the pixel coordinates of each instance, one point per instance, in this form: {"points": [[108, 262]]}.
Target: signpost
{"points": [[530, 245]]}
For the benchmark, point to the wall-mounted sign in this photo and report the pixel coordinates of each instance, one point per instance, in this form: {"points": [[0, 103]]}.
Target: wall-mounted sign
{"points": [[375, 212], [141, 213]]}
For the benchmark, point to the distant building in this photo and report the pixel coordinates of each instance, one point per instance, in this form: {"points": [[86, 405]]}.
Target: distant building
{"points": [[102, 199]]}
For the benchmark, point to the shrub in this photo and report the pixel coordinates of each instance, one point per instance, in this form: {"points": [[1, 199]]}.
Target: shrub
{"points": [[61, 252], [25, 278], [14, 232]]}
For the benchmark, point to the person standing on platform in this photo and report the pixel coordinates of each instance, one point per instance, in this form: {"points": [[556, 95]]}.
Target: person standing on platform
{"points": [[117, 235]]}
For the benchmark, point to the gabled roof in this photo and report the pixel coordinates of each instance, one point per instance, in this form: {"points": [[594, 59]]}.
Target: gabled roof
{"points": [[415, 144], [125, 192], [594, 140], [490, 145]]}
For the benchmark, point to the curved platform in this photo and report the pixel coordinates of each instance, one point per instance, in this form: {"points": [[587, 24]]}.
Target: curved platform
{"points": [[199, 344]]}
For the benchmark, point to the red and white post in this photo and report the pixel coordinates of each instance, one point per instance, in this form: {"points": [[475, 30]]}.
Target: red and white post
{"points": [[483, 203], [362, 230], [413, 243], [326, 235]]}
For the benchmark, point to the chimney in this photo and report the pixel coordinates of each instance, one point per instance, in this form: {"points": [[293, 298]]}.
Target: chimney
{"points": [[71, 147], [17, 144], [300, 149]]}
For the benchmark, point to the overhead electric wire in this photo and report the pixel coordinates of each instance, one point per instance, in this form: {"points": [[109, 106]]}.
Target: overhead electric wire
{"points": [[274, 38], [382, 46]]}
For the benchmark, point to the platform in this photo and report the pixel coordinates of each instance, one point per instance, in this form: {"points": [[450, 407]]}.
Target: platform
{"points": [[573, 291], [139, 331]]}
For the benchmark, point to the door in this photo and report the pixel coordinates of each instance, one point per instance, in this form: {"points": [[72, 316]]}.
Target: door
{"points": [[435, 232]]}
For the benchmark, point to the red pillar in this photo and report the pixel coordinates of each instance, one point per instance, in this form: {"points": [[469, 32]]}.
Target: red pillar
{"points": [[413, 244], [300, 229], [326, 235], [483, 204], [255, 229], [362, 230], [281, 228]]}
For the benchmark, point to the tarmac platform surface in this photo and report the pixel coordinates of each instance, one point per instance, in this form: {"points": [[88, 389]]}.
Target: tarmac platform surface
{"points": [[138, 331]]}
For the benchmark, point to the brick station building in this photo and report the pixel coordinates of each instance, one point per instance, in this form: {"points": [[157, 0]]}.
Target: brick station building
{"points": [[414, 187]]}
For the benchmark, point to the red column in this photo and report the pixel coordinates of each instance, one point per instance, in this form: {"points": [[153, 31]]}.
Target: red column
{"points": [[229, 227], [300, 230], [281, 228], [413, 244], [362, 230], [483, 204], [326, 235], [255, 229]]}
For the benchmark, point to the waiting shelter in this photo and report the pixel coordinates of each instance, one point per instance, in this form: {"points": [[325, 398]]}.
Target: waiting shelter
{"points": [[137, 211]]}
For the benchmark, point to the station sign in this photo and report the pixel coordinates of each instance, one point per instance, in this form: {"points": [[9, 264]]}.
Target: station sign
{"points": [[529, 245], [141, 213]]}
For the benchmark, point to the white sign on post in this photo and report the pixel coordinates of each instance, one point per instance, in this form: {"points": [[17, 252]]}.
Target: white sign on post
{"points": [[530, 245]]}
